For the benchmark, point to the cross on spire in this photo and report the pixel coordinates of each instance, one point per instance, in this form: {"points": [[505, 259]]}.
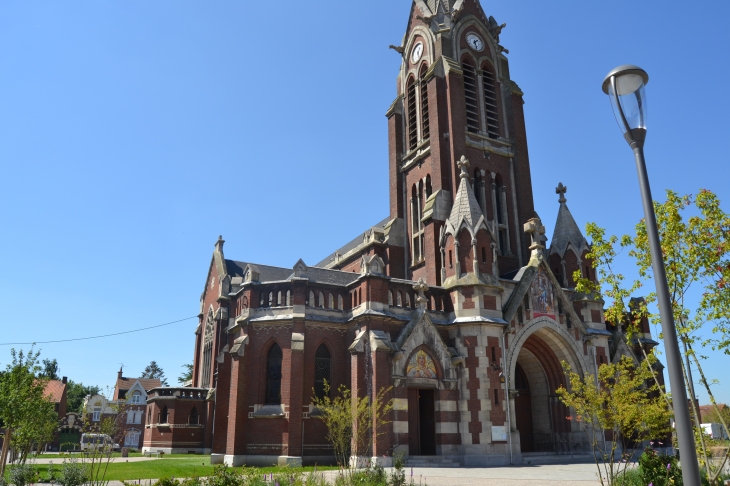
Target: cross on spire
{"points": [[463, 164], [561, 189]]}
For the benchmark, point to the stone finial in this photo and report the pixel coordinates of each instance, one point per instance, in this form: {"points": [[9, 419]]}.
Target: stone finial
{"points": [[421, 287], [561, 189], [463, 164], [535, 228], [219, 243]]}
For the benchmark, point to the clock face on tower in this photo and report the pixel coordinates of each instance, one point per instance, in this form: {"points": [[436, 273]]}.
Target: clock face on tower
{"points": [[475, 42], [417, 52]]}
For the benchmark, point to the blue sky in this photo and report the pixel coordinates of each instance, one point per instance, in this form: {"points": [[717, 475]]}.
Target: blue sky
{"points": [[133, 133]]}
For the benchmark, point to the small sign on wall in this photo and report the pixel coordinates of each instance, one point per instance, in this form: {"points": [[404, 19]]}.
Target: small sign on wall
{"points": [[499, 433]]}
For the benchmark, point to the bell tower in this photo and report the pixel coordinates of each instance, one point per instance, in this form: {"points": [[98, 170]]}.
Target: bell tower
{"points": [[455, 99]]}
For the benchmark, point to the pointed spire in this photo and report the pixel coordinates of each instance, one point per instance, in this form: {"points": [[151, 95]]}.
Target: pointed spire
{"points": [[465, 205], [566, 230]]}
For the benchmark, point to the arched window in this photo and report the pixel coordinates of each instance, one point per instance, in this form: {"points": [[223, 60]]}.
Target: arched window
{"points": [[429, 188], [273, 375], [207, 351], [424, 105], [359, 296], [399, 301], [163, 415], [340, 303], [321, 300], [408, 300], [499, 197], [288, 298], [149, 415], [312, 302], [262, 303], [390, 297], [489, 89], [278, 298], [479, 192], [411, 115], [417, 232], [331, 301], [470, 96], [322, 370], [271, 299], [193, 419]]}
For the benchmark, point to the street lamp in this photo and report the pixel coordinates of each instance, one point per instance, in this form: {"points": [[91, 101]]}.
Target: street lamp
{"points": [[625, 87]]}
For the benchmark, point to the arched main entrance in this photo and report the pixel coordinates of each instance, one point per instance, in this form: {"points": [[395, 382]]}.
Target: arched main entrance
{"points": [[541, 419]]}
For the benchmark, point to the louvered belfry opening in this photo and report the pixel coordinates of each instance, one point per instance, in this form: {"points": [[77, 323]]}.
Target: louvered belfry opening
{"points": [[412, 115], [322, 371], [490, 103], [471, 98], [424, 105]]}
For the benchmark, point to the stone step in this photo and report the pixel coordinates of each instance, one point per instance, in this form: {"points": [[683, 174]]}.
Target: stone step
{"points": [[535, 458], [431, 461]]}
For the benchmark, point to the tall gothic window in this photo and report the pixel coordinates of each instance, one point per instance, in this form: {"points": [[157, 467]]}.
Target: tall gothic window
{"points": [[471, 96], [412, 114], [479, 190], [500, 207], [193, 420], [489, 90], [418, 237], [207, 351], [322, 370], [425, 131], [273, 376]]}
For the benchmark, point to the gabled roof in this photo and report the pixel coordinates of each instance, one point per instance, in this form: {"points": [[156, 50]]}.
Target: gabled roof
{"points": [[125, 384], [465, 210], [54, 390], [566, 232], [352, 244]]}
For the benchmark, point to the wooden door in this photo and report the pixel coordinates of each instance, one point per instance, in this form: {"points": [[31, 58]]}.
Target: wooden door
{"points": [[427, 417], [523, 411], [414, 423]]}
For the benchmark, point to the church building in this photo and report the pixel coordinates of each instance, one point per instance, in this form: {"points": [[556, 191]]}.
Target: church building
{"points": [[455, 301]]}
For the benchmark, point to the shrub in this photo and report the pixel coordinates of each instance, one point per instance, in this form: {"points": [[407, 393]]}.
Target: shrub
{"points": [[167, 482], [659, 469], [73, 473], [23, 474], [194, 481]]}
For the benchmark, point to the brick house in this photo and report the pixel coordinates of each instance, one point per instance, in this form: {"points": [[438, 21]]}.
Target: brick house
{"points": [[57, 392], [130, 395], [455, 299]]}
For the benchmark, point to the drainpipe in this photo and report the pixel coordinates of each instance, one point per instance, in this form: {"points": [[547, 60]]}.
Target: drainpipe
{"points": [[509, 412]]}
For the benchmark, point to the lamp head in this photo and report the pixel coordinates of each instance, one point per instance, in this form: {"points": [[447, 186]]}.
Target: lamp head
{"points": [[624, 86]]}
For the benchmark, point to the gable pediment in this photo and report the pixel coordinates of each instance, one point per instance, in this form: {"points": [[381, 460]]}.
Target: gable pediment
{"points": [[538, 282]]}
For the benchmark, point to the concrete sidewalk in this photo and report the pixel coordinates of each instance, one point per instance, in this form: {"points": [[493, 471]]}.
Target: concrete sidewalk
{"points": [[550, 475]]}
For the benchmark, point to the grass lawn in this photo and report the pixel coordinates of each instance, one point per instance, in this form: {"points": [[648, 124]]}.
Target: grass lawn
{"points": [[179, 466]]}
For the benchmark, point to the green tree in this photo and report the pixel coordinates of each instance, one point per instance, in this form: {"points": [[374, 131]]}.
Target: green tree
{"points": [[50, 369], [24, 408], [187, 374], [623, 401], [76, 392], [154, 372], [352, 423], [695, 240]]}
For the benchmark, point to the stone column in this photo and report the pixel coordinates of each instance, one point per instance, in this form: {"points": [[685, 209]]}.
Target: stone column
{"points": [[292, 396]]}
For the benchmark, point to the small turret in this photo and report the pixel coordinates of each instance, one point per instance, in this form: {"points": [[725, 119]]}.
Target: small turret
{"points": [[568, 246]]}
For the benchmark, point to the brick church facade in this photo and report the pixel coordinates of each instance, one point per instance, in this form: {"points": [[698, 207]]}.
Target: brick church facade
{"points": [[455, 300]]}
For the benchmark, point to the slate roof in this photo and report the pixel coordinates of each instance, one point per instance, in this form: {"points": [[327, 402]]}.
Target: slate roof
{"points": [[267, 273], [351, 245], [54, 390], [567, 232], [276, 274]]}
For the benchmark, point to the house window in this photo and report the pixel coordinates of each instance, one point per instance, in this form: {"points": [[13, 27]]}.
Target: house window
{"points": [[273, 376], [471, 97], [136, 398], [322, 370], [130, 417], [132, 438], [96, 416]]}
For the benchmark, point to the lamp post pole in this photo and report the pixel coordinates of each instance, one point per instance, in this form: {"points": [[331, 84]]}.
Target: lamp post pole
{"points": [[635, 136]]}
